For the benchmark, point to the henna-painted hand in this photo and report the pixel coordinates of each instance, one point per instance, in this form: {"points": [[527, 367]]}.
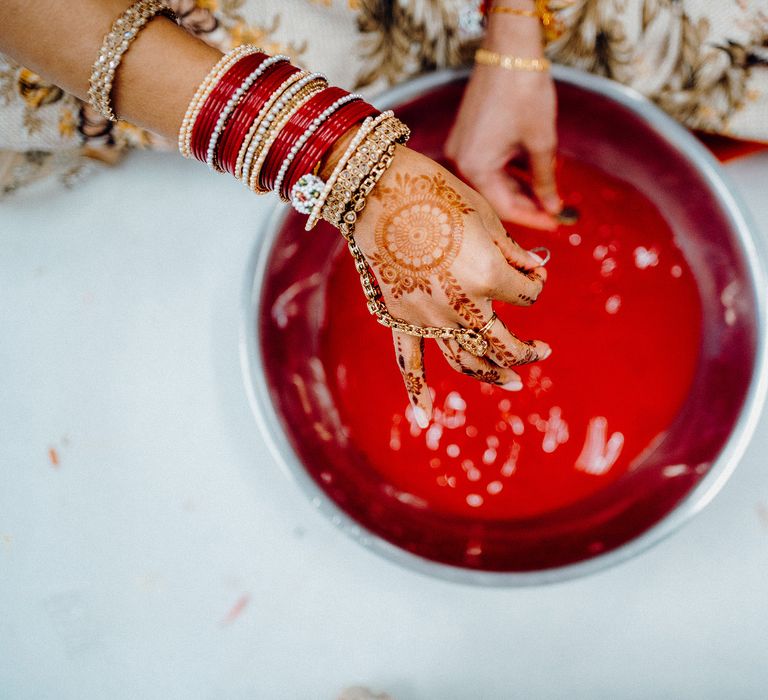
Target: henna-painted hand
{"points": [[441, 256]]}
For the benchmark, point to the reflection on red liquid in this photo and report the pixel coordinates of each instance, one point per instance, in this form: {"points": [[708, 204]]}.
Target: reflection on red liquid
{"points": [[622, 313]]}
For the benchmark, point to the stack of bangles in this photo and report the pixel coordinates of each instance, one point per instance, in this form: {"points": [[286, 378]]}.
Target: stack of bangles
{"points": [[273, 126]]}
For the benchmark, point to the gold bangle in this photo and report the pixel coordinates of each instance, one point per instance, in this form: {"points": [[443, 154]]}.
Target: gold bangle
{"points": [[514, 11], [123, 31], [363, 130], [355, 170], [258, 129], [552, 26], [317, 83], [491, 58]]}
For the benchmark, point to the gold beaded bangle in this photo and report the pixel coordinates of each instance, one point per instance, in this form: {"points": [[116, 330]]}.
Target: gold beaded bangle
{"points": [[124, 30], [280, 100], [365, 128], [491, 58], [295, 103], [513, 11], [204, 89], [386, 133], [241, 171]]}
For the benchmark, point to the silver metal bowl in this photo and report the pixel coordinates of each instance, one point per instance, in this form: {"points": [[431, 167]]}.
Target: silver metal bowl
{"points": [[735, 229]]}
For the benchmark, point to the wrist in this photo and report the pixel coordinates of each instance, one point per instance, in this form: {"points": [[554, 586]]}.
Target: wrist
{"points": [[331, 158], [515, 34]]}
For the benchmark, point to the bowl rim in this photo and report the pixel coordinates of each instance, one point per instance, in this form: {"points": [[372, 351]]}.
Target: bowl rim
{"points": [[751, 245]]}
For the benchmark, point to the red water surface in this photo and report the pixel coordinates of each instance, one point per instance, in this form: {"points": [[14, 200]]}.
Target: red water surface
{"points": [[622, 313]]}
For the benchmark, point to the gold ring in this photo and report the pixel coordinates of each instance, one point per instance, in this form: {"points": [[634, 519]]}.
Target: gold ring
{"points": [[474, 341]]}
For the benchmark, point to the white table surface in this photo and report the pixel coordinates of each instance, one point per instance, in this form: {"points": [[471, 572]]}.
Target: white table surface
{"points": [[167, 556]]}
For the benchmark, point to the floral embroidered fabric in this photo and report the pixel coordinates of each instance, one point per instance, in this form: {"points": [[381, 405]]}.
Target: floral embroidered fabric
{"points": [[705, 62]]}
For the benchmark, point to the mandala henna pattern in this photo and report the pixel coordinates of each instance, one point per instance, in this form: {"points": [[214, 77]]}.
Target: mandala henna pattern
{"points": [[419, 235]]}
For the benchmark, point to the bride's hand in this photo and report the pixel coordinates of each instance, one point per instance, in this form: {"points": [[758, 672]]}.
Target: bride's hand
{"points": [[441, 256]]}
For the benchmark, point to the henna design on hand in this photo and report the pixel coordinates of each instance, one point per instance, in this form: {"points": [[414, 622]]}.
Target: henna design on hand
{"points": [[489, 376], [507, 356], [460, 302], [415, 382], [419, 235]]}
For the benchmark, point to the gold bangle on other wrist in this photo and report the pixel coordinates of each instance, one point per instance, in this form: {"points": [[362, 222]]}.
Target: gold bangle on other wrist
{"points": [[124, 30], [491, 58], [513, 11], [553, 28]]}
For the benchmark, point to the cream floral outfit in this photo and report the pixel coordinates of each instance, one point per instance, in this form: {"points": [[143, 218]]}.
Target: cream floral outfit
{"points": [[703, 61]]}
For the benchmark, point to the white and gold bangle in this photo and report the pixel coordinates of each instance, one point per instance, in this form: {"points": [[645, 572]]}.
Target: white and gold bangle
{"points": [[311, 129], [365, 128], [265, 130], [204, 90], [124, 30], [241, 172], [385, 133], [297, 101]]}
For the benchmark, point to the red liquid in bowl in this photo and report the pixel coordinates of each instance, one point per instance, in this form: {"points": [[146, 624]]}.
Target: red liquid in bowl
{"points": [[508, 484], [622, 313]]}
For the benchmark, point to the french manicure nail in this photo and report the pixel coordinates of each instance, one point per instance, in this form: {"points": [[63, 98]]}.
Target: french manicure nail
{"points": [[514, 385], [422, 420], [546, 354], [537, 258]]}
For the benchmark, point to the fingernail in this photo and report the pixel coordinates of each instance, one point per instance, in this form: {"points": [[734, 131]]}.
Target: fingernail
{"points": [[546, 354], [514, 385], [568, 215], [537, 258], [422, 420], [553, 204]]}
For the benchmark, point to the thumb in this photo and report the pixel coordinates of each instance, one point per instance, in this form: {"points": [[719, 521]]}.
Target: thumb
{"points": [[510, 204], [543, 181]]}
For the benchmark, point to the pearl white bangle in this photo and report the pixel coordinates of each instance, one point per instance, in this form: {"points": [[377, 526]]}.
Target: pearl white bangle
{"points": [[365, 128], [300, 98], [241, 172], [230, 105], [253, 160], [311, 129], [204, 90], [123, 31]]}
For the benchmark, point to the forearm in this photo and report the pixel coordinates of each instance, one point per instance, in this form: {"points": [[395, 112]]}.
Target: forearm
{"points": [[156, 78], [514, 34]]}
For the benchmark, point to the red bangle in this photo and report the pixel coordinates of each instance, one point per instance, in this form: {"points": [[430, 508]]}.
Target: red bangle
{"points": [[247, 110], [294, 129], [211, 109], [222, 91], [323, 139]]}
